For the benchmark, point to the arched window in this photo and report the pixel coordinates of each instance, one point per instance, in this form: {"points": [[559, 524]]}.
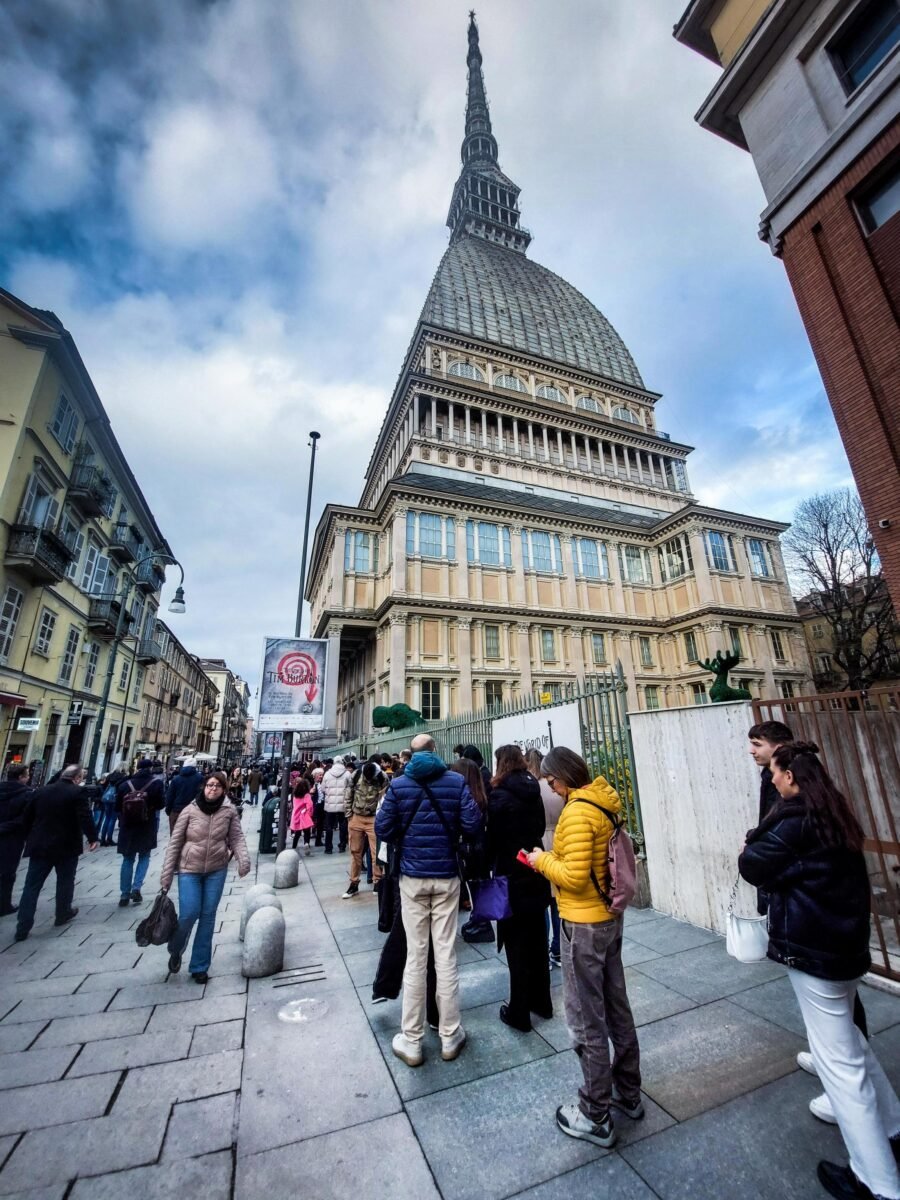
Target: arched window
{"points": [[547, 392], [467, 370], [625, 414], [589, 403], [510, 381]]}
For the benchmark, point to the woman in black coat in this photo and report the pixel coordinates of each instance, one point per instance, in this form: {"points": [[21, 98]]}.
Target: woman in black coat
{"points": [[14, 793], [807, 854], [516, 819]]}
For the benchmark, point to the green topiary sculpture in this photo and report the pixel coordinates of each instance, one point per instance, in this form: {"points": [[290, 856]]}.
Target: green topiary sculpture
{"points": [[395, 716], [720, 666]]}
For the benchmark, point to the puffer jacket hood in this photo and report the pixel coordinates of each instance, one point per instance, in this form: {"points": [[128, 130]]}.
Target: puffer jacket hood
{"points": [[424, 766], [581, 845]]}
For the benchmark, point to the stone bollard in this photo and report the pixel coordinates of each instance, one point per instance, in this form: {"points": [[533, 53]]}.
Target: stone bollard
{"points": [[287, 869], [264, 943], [253, 904]]}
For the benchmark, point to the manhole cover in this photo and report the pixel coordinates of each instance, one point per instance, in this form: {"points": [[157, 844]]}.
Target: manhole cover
{"points": [[298, 1011]]}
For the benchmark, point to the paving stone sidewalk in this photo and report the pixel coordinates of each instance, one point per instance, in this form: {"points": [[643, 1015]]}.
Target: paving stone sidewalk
{"points": [[115, 1079]]}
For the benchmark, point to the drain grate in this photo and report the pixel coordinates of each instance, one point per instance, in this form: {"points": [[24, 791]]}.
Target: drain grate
{"points": [[310, 973]]}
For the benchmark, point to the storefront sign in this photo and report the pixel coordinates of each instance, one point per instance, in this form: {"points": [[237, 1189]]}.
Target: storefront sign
{"points": [[28, 724]]}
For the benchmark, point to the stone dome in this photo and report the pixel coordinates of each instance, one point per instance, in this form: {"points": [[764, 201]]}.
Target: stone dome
{"points": [[498, 295]]}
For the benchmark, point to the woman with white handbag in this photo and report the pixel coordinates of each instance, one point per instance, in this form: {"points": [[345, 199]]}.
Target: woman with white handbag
{"points": [[807, 854]]}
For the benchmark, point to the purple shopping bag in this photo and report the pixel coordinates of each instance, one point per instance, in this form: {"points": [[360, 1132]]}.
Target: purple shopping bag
{"points": [[491, 899]]}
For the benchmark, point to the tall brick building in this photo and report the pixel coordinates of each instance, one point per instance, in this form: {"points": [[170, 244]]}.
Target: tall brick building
{"points": [[812, 89]]}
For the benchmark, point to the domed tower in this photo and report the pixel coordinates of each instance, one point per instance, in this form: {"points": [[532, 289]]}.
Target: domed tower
{"points": [[523, 523]]}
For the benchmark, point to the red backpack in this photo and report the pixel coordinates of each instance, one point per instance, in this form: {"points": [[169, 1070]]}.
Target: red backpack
{"points": [[135, 810]]}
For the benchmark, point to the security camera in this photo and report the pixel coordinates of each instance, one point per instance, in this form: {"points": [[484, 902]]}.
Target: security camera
{"points": [[884, 523]]}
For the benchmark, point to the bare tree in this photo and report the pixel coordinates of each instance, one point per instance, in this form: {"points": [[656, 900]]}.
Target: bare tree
{"points": [[832, 557]]}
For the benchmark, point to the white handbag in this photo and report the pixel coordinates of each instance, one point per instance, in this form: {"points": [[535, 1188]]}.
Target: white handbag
{"points": [[746, 938]]}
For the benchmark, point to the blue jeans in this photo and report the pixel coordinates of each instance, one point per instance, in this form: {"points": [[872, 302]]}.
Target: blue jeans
{"points": [[38, 870], [108, 825], [131, 877], [198, 897]]}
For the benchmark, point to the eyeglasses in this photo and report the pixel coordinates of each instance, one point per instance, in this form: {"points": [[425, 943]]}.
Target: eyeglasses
{"points": [[552, 780]]}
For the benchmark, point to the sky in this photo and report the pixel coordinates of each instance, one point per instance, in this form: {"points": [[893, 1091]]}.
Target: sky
{"points": [[237, 207]]}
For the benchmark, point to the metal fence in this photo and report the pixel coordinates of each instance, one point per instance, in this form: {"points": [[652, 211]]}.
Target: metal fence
{"points": [[858, 734], [605, 735]]}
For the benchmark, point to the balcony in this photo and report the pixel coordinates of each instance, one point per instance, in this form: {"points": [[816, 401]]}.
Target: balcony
{"points": [[90, 490], [149, 577], [38, 553], [123, 545], [103, 619], [148, 652]]}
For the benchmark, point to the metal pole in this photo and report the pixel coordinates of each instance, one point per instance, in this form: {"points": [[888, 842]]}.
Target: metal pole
{"points": [[312, 468]]}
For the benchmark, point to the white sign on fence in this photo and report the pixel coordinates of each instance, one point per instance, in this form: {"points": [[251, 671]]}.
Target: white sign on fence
{"points": [[541, 730]]}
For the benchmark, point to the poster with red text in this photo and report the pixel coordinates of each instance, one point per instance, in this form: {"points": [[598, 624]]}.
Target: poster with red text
{"points": [[292, 687]]}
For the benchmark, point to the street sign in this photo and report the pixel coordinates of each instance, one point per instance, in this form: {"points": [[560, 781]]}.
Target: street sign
{"points": [[76, 709], [28, 724]]}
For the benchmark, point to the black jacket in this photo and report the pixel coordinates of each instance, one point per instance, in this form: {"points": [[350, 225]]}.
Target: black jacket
{"points": [[818, 895], [515, 822], [57, 818], [13, 802], [138, 839], [184, 787], [768, 798]]}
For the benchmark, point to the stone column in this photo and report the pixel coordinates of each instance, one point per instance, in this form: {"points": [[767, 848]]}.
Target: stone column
{"points": [[576, 651], [587, 451], [398, 658], [398, 552], [464, 658], [337, 567], [701, 567], [484, 434], [568, 567], [764, 659], [445, 697], [525, 659], [518, 588], [468, 425]]}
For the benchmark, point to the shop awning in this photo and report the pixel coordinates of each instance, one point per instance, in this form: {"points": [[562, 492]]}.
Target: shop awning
{"points": [[13, 699]]}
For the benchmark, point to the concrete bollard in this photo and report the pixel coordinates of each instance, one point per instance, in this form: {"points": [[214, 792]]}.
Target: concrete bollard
{"points": [[287, 869], [253, 904], [263, 943]]}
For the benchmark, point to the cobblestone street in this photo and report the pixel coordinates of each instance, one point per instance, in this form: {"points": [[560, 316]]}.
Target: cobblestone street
{"points": [[118, 1081]]}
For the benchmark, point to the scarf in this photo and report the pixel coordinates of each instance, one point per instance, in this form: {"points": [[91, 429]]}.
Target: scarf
{"points": [[209, 806]]}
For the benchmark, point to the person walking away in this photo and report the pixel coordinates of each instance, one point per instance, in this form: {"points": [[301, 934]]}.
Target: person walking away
{"points": [[206, 836], [254, 782], [476, 863], [302, 815], [596, 1000], [335, 786], [360, 806], [184, 787], [110, 788], [516, 819], [553, 806], [14, 793], [807, 855], [424, 812], [57, 819], [138, 800]]}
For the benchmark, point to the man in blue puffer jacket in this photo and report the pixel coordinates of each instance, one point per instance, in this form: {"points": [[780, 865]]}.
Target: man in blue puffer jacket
{"points": [[424, 812]]}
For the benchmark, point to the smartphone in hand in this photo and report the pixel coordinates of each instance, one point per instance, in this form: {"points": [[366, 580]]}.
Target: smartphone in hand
{"points": [[523, 859]]}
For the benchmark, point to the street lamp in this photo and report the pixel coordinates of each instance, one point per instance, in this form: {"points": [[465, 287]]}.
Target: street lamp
{"points": [[177, 606]]}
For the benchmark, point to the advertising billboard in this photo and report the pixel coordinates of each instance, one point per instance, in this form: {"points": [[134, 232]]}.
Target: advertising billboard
{"points": [[292, 687], [540, 730]]}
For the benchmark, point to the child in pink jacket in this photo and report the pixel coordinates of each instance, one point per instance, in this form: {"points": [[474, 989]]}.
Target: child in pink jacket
{"points": [[302, 815]]}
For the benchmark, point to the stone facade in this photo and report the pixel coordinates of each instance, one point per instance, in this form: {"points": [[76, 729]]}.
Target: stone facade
{"points": [[524, 523], [179, 702]]}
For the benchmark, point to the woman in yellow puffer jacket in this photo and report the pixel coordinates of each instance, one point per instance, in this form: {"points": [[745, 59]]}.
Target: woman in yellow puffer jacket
{"points": [[597, 1008]]}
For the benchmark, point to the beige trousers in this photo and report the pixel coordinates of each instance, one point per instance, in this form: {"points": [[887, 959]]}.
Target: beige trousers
{"points": [[429, 908], [359, 829]]}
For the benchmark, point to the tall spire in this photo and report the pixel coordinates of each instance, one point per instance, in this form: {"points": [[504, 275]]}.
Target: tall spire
{"points": [[485, 202]]}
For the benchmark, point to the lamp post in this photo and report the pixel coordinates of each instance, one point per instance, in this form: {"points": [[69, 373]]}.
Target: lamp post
{"points": [[176, 606]]}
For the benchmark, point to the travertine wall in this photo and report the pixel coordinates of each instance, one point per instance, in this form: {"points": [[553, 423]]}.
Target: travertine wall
{"points": [[699, 792]]}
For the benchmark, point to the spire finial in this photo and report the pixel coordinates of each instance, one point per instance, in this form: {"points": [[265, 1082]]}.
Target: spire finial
{"points": [[485, 202]]}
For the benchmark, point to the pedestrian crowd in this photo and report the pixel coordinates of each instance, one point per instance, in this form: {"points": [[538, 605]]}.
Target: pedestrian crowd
{"points": [[537, 848]]}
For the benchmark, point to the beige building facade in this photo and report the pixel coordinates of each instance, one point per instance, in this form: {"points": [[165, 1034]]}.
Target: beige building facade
{"points": [[524, 522], [179, 702], [77, 540], [230, 714]]}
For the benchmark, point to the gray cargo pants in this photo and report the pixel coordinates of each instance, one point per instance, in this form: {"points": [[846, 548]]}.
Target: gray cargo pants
{"points": [[597, 1012]]}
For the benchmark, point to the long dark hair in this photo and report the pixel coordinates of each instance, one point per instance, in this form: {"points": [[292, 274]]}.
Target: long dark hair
{"points": [[509, 759], [829, 811], [472, 775]]}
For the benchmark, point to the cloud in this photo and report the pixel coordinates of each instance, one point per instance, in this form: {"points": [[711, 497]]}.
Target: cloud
{"points": [[238, 208]]}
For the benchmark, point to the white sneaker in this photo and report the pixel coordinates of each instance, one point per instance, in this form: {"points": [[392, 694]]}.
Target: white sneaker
{"points": [[820, 1106], [806, 1062], [571, 1120], [451, 1046], [409, 1052]]}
